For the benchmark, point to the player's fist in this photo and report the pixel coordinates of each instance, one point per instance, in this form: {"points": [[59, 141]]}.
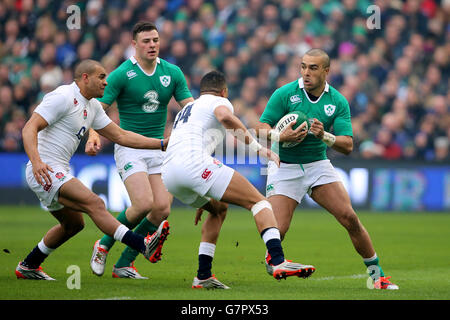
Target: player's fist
{"points": [[317, 129], [93, 145]]}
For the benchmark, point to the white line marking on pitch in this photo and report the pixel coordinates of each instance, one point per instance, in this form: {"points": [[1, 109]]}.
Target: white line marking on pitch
{"points": [[353, 276], [115, 298]]}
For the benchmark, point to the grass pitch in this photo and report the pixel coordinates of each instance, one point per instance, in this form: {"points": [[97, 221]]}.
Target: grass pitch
{"points": [[413, 249]]}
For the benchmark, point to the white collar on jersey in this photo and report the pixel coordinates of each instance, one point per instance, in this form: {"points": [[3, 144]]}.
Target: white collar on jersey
{"points": [[78, 93], [302, 86], [134, 61]]}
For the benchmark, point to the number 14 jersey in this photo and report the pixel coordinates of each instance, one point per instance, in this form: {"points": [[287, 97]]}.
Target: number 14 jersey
{"points": [[196, 131]]}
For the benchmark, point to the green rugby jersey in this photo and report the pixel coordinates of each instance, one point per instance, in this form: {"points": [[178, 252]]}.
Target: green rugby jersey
{"points": [[142, 99], [331, 108]]}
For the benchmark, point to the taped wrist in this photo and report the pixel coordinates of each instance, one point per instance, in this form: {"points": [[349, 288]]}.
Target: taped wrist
{"points": [[328, 138], [254, 146], [274, 135]]}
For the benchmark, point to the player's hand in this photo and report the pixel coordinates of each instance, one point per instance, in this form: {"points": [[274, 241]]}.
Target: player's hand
{"points": [[40, 172], [270, 155], [317, 129], [198, 216], [294, 135], [93, 145]]}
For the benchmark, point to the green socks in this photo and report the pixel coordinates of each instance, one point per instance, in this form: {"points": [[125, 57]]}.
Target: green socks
{"points": [[373, 267], [129, 255], [109, 241]]}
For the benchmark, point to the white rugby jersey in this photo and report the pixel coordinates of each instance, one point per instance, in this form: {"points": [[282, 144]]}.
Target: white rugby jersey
{"points": [[196, 130], [69, 116]]}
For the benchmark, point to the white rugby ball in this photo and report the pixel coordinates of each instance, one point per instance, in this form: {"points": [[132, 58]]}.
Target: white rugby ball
{"points": [[284, 122]]}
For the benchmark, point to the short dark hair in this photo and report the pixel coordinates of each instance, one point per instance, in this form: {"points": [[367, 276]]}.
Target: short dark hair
{"points": [[319, 53], [142, 26], [213, 81], [86, 66]]}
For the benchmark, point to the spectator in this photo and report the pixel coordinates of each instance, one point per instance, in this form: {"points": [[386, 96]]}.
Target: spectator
{"points": [[395, 77]]}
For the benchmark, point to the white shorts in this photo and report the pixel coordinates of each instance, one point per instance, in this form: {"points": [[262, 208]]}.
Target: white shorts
{"points": [[48, 195], [294, 182], [129, 161], [195, 183]]}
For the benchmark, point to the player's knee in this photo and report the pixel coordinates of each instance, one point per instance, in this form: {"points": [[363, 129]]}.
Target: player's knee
{"points": [[143, 207], [161, 210], [95, 204], [257, 207], [220, 209]]}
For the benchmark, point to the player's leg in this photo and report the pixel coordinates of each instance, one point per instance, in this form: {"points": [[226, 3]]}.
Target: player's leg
{"points": [[149, 225], [283, 208], [70, 223], [217, 211], [241, 192], [75, 195], [334, 198], [140, 193]]}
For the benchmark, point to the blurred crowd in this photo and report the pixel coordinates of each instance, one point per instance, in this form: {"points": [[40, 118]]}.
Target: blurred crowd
{"points": [[393, 68]]}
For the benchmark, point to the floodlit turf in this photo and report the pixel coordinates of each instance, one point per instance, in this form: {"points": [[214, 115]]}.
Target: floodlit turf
{"points": [[413, 249]]}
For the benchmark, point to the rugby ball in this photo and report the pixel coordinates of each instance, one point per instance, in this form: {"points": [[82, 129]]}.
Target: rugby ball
{"points": [[284, 122]]}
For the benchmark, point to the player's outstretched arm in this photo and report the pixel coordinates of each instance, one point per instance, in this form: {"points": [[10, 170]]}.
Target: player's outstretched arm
{"points": [[30, 143], [130, 139], [230, 121]]}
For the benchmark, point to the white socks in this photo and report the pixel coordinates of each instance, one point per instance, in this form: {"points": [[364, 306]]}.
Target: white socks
{"points": [[44, 249], [120, 232], [272, 233], [207, 248]]}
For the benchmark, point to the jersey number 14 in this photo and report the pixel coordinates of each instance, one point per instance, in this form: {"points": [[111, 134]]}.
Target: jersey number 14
{"points": [[183, 115]]}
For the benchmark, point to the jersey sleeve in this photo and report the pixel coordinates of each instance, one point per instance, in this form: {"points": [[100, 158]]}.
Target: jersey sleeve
{"points": [[181, 88], [274, 110], [53, 107], [342, 125], [222, 102], [101, 119], [113, 88]]}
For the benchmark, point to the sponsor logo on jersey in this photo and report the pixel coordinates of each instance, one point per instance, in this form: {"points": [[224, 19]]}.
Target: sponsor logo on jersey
{"points": [[295, 99], [47, 187], [131, 74], [152, 103], [165, 80], [329, 109], [75, 102], [206, 174], [60, 176]]}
